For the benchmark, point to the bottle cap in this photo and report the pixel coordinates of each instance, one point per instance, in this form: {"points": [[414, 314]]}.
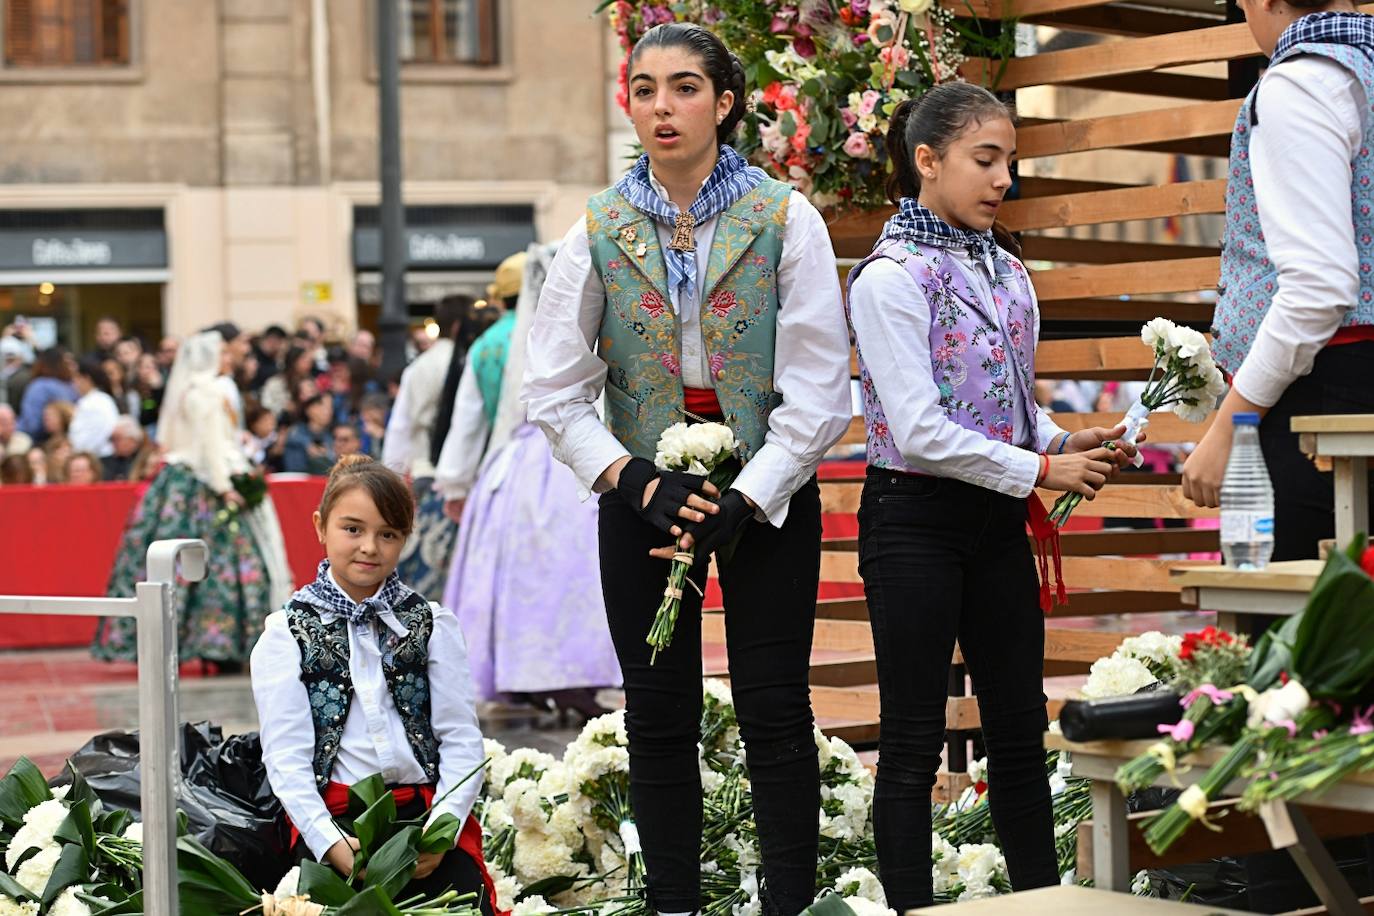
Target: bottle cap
{"points": [[1245, 419]]}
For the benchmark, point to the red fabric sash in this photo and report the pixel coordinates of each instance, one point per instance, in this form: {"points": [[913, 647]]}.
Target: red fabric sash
{"points": [[702, 402], [1352, 335], [469, 839], [1046, 544]]}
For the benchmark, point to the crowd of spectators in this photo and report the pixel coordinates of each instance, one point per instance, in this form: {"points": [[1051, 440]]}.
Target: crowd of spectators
{"points": [[300, 399]]}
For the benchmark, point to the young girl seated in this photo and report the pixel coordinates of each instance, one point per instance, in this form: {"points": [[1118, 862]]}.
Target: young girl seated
{"points": [[359, 675]]}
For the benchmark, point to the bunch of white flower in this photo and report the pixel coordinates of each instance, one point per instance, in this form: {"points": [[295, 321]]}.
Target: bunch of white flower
{"points": [[860, 882], [844, 813], [1152, 648], [40, 825], [134, 832], [530, 906], [1116, 676], [507, 888], [944, 865], [598, 751], [696, 448], [11, 907], [862, 906], [67, 904], [980, 864], [525, 762], [1189, 347], [35, 871]]}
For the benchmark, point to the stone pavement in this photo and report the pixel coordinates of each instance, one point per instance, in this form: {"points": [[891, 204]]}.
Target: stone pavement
{"points": [[55, 700]]}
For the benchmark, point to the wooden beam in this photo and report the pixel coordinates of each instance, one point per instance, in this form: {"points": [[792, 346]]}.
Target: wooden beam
{"points": [[1110, 602], [1129, 22], [1138, 541], [1107, 251], [1133, 573], [1151, 501], [1184, 198], [974, 9], [1136, 129], [1140, 278], [1043, 186], [1061, 358], [1132, 310], [1164, 85], [1072, 645]]}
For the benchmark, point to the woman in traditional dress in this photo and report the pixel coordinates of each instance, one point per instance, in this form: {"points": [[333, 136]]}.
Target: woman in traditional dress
{"points": [[193, 496], [698, 284], [542, 639]]}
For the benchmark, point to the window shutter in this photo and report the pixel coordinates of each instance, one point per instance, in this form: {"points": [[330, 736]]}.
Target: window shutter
{"points": [[19, 32], [487, 32]]}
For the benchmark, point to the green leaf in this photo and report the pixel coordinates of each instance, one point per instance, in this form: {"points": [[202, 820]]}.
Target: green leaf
{"points": [[78, 829], [829, 905], [550, 886], [324, 884], [22, 788], [133, 906], [392, 866], [787, 125], [371, 902], [365, 793], [441, 835], [13, 889], [114, 822], [72, 868], [81, 791], [198, 867], [374, 827]]}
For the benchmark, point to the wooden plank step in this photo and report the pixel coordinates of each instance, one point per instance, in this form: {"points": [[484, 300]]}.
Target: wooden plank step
{"points": [[843, 637], [1127, 309], [1164, 85], [1140, 278], [1126, 21], [961, 713], [1136, 129], [1187, 198], [828, 668], [1133, 574], [1107, 251]]}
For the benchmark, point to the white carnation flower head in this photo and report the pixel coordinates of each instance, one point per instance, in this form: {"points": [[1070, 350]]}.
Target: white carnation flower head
{"points": [[507, 889], [1153, 646], [286, 887], [530, 906], [862, 906], [860, 882], [134, 832], [40, 825], [979, 865], [1116, 676], [67, 904], [11, 907], [718, 690], [34, 873], [1156, 332]]}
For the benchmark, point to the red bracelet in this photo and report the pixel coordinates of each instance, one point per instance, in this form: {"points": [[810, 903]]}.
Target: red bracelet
{"points": [[1044, 469]]}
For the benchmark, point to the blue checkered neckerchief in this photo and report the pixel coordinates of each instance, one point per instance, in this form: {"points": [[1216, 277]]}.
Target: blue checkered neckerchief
{"points": [[324, 595], [915, 223], [1326, 28], [731, 179]]}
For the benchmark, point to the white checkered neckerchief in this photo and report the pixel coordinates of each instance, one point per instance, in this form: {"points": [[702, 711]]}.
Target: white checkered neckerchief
{"points": [[915, 223], [731, 179], [324, 595], [1327, 28]]}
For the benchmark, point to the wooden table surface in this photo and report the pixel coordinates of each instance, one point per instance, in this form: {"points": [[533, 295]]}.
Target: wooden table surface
{"points": [[1335, 423], [1069, 901], [1286, 576]]}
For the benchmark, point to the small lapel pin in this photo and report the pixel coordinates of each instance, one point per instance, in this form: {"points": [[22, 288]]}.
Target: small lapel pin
{"points": [[641, 249]]}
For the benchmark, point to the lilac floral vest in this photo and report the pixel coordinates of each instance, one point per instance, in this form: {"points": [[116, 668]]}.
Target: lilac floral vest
{"points": [[1249, 279], [981, 353]]}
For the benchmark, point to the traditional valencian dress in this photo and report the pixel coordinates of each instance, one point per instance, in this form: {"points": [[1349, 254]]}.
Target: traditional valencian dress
{"points": [[221, 616], [945, 323], [346, 690], [740, 322], [526, 634]]}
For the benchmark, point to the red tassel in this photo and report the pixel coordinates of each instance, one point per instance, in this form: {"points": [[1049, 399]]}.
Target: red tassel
{"points": [[1046, 543]]}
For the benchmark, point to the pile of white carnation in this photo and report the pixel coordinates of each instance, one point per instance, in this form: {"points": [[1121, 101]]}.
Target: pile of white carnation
{"points": [[1138, 662]]}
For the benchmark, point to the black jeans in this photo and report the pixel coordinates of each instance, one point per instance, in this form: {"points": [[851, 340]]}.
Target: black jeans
{"points": [[943, 560], [1341, 381], [769, 588]]}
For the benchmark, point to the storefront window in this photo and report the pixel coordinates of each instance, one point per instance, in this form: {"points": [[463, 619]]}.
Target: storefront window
{"points": [[66, 314], [448, 31], [66, 33]]}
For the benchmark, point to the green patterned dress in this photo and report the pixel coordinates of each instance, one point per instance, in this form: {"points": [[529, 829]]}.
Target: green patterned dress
{"points": [[220, 617]]}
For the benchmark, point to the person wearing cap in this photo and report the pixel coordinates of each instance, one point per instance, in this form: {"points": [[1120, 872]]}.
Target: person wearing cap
{"points": [[479, 393]]}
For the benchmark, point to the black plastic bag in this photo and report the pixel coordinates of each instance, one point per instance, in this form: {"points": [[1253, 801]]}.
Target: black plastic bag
{"points": [[225, 795]]}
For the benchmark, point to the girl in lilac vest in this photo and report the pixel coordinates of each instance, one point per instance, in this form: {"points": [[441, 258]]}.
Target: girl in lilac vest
{"points": [[1294, 323], [945, 323]]}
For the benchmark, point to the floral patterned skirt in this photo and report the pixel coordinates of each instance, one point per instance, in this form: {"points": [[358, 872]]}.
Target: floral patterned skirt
{"points": [[220, 617]]}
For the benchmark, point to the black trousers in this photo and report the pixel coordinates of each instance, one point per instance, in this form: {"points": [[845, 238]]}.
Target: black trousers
{"points": [[943, 560], [769, 588], [1341, 381]]}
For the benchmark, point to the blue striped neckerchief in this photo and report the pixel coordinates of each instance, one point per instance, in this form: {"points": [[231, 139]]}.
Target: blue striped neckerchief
{"points": [[325, 595], [731, 179], [915, 223], [1326, 28]]}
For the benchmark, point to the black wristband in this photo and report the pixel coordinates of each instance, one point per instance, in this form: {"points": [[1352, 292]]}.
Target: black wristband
{"points": [[634, 477], [719, 529]]}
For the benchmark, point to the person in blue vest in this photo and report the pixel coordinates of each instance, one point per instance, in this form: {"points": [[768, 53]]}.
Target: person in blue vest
{"points": [[698, 286], [1294, 324], [359, 674]]}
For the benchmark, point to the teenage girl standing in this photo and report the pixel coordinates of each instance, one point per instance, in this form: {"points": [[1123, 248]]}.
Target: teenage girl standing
{"points": [[699, 284], [945, 321]]}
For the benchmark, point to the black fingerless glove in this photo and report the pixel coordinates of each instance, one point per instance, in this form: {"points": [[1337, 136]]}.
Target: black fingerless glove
{"points": [[719, 529], [671, 494]]}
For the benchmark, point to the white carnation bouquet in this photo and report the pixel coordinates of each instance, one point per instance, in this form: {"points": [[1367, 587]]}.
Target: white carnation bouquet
{"points": [[1184, 378], [697, 448]]}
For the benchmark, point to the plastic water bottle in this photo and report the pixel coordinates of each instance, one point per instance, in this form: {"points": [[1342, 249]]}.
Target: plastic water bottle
{"points": [[1247, 499]]}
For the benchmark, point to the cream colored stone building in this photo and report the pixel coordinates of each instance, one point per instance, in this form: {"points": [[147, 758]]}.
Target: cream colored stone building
{"points": [[179, 162]]}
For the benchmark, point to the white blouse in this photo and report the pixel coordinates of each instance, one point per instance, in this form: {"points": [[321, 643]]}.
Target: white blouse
{"points": [[1301, 152], [374, 738], [461, 456], [564, 376], [93, 423], [892, 325]]}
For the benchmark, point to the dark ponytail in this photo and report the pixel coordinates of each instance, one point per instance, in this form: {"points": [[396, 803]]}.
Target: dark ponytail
{"points": [[722, 67], [936, 119]]}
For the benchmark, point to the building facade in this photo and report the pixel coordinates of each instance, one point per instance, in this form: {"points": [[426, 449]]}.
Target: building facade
{"points": [[173, 163]]}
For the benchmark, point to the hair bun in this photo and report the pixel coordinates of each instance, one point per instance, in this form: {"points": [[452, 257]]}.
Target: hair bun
{"points": [[346, 462]]}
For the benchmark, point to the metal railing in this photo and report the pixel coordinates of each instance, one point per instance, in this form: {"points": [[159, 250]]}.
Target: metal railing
{"points": [[154, 608]]}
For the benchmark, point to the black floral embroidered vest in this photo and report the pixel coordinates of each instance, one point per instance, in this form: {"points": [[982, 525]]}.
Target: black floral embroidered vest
{"points": [[328, 683]]}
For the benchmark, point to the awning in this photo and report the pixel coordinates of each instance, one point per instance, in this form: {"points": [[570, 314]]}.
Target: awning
{"points": [[447, 237]]}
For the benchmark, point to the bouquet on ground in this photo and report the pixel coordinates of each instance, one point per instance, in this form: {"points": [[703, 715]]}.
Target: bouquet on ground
{"points": [[1184, 378], [1295, 724], [707, 449]]}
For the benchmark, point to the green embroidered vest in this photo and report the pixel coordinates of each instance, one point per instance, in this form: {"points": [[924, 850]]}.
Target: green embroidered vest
{"points": [[488, 357], [638, 339]]}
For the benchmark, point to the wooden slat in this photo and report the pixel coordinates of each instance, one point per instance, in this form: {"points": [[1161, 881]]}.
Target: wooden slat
{"points": [[1106, 251], [1184, 198], [949, 786], [1127, 542], [962, 714], [1062, 358], [1073, 647], [1134, 573], [974, 9], [1136, 129], [858, 703], [1132, 310], [1140, 278], [841, 636], [1129, 22], [1137, 502], [855, 433], [1164, 426], [1026, 9], [842, 608], [1043, 186], [1166, 85], [1109, 602]]}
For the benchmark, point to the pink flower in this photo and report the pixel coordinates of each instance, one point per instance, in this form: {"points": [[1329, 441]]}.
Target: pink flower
{"points": [[804, 46], [868, 101], [895, 56], [1363, 723], [849, 118], [1210, 692], [856, 145], [1182, 732]]}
